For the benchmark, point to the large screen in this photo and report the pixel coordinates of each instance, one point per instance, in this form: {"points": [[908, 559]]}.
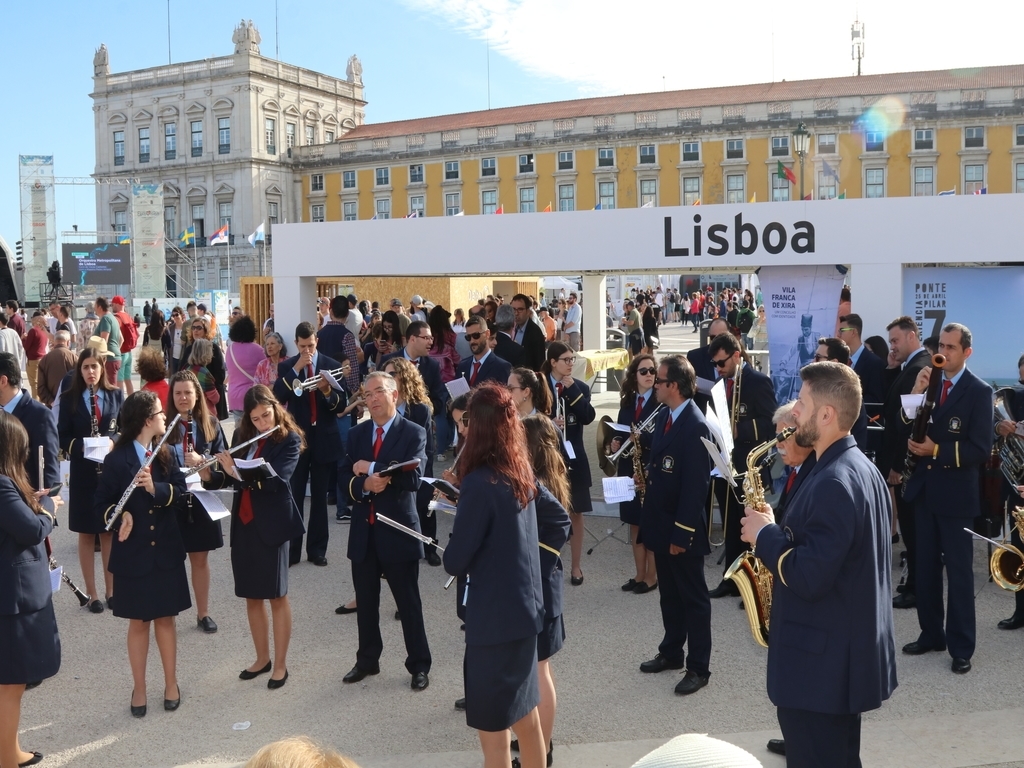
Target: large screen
{"points": [[97, 264]]}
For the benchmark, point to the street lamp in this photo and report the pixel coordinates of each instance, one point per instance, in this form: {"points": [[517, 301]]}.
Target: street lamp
{"points": [[801, 143]]}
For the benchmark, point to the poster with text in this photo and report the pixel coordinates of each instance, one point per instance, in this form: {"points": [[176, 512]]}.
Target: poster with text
{"points": [[149, 269], [801, 305]]}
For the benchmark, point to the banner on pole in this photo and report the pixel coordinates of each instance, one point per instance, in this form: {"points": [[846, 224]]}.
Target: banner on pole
{"points": [[149, 268], [38, 220]]}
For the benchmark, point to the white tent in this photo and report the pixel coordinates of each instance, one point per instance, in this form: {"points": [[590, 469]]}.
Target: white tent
{"points": [[552, 285]]}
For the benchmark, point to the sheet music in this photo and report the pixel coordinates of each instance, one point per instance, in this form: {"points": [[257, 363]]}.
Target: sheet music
{"points": [[704, 386], [619, 427], [721, 464], [570, 452], [249, 463], [618, 489], [911, 405], [212, 504], [329, 378], [457, 387], [95, 448], [721, 406]]}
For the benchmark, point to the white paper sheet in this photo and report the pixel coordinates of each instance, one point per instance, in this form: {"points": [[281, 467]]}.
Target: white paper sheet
{"points": [[96, 448], [249, 463], [911, 405], [329, 378], [618, 489], [569, 450], [212, 504], [721, 406], [441, 506], [193, 482], [721, 464], [1019, 429], [55, 575], [457, 387], [704, 386], [619, 427]]}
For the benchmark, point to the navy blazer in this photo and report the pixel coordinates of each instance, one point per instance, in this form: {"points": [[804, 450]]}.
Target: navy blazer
{"points": [[534, 345], [493, 369], [155, 540], [404, 441], [705, 369], [678, 476], [495, 541], [785, 496], [74, 422], [578, 413], [41, 426], [893, 453], [323, 438], [418, 413], [24, 566], [870, 369], [962, 428], [508, 350], [203, 447], [832, 647], [553, 526], [757, 407], [430, 372]]}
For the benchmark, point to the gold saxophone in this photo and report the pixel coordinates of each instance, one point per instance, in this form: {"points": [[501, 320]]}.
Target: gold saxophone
{"points": [[751, 576], [639, 477]]}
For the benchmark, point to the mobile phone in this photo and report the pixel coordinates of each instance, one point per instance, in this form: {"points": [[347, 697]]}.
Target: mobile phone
{"points": [[446, 488], [55, 491]]}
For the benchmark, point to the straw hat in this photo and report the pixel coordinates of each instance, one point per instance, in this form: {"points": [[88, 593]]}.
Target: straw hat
{"points": [[98, 344]]}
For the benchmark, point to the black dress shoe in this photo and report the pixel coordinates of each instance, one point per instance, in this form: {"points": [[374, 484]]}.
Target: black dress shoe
{"points": [[96, 607], [777, 746], [172, 704], [460, 704], [432, 557], [137, 711], [961, 666], [420, 681], [918, 647], [344, 609], [273, 684], [576, 581], [30, 686], [245, 674], [110, 603], [36, 758], [906, 600], [318, 560], [643, 589], [629, 585], [659, 664], [726, 589], [691, 683], [208, 625], [357, 673], [1014, 622]]}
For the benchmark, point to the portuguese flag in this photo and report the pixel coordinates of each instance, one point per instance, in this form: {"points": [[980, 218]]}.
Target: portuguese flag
{"points": [[784, 173]]}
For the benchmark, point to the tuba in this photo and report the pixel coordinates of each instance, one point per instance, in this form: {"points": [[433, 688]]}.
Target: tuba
{"points": [[1010, 449], [752, 578], [1007, 562]]}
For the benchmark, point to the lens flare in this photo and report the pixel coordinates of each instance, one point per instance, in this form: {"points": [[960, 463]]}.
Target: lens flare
{"points": [[885, 116]]}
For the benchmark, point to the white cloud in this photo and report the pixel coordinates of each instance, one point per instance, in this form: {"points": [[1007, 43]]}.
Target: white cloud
{"points": [[612, 47]]}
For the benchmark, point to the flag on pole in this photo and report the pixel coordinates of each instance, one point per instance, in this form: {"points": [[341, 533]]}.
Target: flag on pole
{"points": [[753, 198], [648, 204], [124, 239], [597, 207], [547, 209], [500, 209], [785, 173], [220, 236], [257, 236], [461, 213], [828, 170], [413, 214], [809, 196], [842, 195], [188, 236], [697, 201], [947, 193], [982, 191]]}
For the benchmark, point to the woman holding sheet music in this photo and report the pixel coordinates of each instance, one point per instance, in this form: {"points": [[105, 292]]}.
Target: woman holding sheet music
{"points": [[264, 520], [200, 433]]}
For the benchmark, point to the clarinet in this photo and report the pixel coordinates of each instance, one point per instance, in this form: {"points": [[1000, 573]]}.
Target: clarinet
{"points": [[95, 424], [188, 446], [924, 414]]}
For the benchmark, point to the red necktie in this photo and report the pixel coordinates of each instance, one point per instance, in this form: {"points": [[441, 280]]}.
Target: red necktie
{"points": [[728, 390], [790, 480], [312, 401], [639, 408], [559, 387], [245, 503], [96, 407], [668, 424], [946, 386], [377, 443], [476, 370]]}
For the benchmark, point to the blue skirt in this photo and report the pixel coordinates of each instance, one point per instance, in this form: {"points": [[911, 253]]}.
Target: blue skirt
{"points": [[551, 638], [500, 683], [29, 646]]}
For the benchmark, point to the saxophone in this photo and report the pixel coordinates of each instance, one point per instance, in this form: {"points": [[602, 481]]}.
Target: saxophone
{"points": [[752, 578], [639, 477]]}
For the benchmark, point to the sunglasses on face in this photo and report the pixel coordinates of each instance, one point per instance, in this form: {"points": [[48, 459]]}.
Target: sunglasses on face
{"points": [[646, 371], [721, 363], [473, 336]]}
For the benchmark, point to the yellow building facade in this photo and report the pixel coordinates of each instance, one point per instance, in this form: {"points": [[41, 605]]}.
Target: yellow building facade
{"points": [[898, 135]]}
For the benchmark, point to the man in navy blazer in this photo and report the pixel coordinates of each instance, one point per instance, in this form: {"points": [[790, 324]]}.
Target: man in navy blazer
{"points": [[700, 360], [527, 333], [832, 651], [418, 341], [38, 420], [505, 346], [944, 491], [868, 366], [483, 364], [375, 548], [315, 412], [673, 525]]}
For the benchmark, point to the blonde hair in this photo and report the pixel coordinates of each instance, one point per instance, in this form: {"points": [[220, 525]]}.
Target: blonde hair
{"points": [[410, 384], [298, 752]]}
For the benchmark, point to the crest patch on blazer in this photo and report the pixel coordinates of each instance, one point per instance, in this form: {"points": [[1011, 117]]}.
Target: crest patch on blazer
{"points": [[668, 464], [954, 424], [743, 409], [570, 418]]}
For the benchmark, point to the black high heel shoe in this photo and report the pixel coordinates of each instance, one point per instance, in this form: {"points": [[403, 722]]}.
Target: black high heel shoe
{"points": [[137, 711], [172, 704]]}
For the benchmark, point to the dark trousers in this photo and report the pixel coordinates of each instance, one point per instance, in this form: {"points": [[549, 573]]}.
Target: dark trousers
{"points": [[685, 610], [732, 513], [403, 579], [943, 541], [317, 531], [905, 514], [815, 740]]}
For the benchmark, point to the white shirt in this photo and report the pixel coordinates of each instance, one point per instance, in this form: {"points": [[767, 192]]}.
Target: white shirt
{"points": [[354, 321], [572, 318], [11, 342]]}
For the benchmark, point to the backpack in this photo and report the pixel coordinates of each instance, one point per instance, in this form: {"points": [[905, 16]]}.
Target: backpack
{"points": [[129, 333], [746, 321]]}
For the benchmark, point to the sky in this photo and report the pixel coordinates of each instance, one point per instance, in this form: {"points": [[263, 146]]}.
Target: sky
{"points": [[430, 57]]}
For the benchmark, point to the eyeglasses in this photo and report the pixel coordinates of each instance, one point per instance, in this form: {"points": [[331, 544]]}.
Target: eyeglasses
{"points": [[425, 338], [646, 371], [473, 336], [843, 330], [155, 414], [721, 363], [567, 360], [820, 358]]}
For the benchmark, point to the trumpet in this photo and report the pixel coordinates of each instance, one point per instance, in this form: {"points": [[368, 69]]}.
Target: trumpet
{"points": [[119, 507], [314, 381], [210, 461], [626, 450]]}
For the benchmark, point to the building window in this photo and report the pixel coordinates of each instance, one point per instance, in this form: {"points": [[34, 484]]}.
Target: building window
{"points": [[382, 177], [924, 180], [974, 137], [1020, 135], [417, 205], [1019, 187], [526, 163], [488, 166], [328, 137], [170, 222], [224, 209], [974, 179], [199, 220], [384, 208], [606, 157], [223, 135], [415, 174], [924, 138], [734, 185], [874, 182], [348, 211], [567, 197], [780, 146], [874, 141], [225, 279], [691, 151], [780, 188], [120, 221], [489, 198], [289, 135], [606, 195], [270, 135], [348, 179], [826, 186], [272, 213], [691, 189], [118, 147], [527, 200], [451, 170], [734, 149], [566, 161], [197, 138], [826, 143], [648, 192], [310, 135], [316, 182], [170, 141], [143, 145], [452, 203], [647, 154], [316, 213]]}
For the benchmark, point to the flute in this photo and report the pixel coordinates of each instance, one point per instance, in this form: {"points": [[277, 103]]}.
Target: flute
{"points": [[213, 459], [416, 535], [119, 507]]}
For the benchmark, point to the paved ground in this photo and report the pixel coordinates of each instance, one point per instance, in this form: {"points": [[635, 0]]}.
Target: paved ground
{"points": [[609, 713]]}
